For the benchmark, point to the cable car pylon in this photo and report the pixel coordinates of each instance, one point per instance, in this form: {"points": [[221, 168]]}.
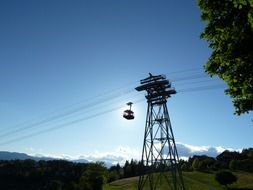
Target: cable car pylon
{"points": [[159, 162]]}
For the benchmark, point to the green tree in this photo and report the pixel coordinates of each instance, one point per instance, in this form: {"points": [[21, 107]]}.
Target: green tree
{"points": [[203, 163], [195, 164], [248, 153], [55, 185], [243, 165], [227, 156], [233, 164], [225, 178], [93, 177], [185, 166], [115, 172], [229, 32], [127, 169]]}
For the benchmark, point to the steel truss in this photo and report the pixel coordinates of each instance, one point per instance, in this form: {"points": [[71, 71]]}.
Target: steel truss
{"points": [[159, 163]]}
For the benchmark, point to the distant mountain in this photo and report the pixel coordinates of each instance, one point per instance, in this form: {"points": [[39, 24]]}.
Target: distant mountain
{"points": [[5, 155]]}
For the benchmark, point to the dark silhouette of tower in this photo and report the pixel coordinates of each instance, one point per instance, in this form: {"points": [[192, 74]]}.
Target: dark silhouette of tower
{"points": [[159, 163]]}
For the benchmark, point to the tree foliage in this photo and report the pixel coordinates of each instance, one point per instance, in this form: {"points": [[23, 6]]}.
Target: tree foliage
{"points": [[226, 156], [93, 177], [229, 32], [202, 163], [51, 175], [61, 175], [65, 175]]}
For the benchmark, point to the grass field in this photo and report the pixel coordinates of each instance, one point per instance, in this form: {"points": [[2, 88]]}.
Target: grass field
{"points": [[193, 181]]}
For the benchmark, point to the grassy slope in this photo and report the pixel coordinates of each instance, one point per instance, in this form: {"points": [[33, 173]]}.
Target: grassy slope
{"points": [[193, 181]]}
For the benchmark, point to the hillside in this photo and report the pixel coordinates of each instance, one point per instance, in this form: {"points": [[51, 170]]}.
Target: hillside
{"points": [[193, 181]]}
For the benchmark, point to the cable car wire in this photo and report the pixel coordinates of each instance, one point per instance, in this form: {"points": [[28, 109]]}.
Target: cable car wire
{"points": [[71, 112], [98, 114], [89, 104], [201, 88], [61, 115], [26, 125], [64, 124]]}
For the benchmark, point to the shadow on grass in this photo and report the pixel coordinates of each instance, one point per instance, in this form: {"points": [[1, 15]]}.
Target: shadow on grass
{"points": [[239, 189]]}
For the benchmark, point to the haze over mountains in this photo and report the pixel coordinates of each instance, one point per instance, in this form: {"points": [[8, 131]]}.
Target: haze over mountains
{"points": [[118, 156]]}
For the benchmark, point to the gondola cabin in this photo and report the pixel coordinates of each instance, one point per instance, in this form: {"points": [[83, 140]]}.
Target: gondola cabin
{"points": [[128, 114]]}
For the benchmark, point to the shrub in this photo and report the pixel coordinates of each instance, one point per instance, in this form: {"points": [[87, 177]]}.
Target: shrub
{"points": [[225, 178]]}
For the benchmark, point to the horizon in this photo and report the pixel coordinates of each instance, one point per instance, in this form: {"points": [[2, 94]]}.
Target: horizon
{"points": [[123, 154]]}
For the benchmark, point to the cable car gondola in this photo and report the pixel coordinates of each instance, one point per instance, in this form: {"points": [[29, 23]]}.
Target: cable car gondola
{"points": [[128, 114]]}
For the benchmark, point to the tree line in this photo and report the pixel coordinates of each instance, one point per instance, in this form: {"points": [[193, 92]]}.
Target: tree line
{"points": [[66, 175], [51, 175], [61, 174], [227, 160]]}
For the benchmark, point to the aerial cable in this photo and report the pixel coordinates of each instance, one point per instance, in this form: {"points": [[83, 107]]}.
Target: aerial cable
{"points": [[183, 71], [65, 124], [100, 113], [87, 106], [201, 88], [76, 109], [196, 76], [195, 82], [61, 117], [67, 114]]}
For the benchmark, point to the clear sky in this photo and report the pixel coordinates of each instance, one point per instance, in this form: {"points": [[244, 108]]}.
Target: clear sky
{"points": [[86, 56]]}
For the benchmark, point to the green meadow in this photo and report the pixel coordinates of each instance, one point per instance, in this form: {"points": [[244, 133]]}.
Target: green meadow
{"points": [[193, 181]]}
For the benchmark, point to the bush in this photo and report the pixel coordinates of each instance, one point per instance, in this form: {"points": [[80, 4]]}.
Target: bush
{"points": [[225, 178]]}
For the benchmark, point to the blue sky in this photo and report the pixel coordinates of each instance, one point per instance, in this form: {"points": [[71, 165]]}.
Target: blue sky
{"points": [[60, 56]]}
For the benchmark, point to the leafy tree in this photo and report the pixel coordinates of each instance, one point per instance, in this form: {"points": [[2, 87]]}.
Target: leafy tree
{"points": [[202, 163], [127, 169], [132, 169], [195, 164], [248, 153], [115, 173], [29, 174], [226, 156], [112, 176], [207, 163], [55, 185], [225, 178], [233, 165], [229, 32], [243, 165], [185, 166], [93, 177]]}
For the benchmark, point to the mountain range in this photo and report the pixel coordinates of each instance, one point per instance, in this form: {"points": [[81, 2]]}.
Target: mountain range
{"points": [[119, 155], [5, 155]]}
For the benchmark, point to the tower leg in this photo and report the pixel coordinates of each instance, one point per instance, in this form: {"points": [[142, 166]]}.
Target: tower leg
{"points": [[160, 160]]}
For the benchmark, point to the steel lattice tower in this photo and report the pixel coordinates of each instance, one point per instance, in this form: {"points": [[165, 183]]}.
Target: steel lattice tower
{"points": [[159, 163]]}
